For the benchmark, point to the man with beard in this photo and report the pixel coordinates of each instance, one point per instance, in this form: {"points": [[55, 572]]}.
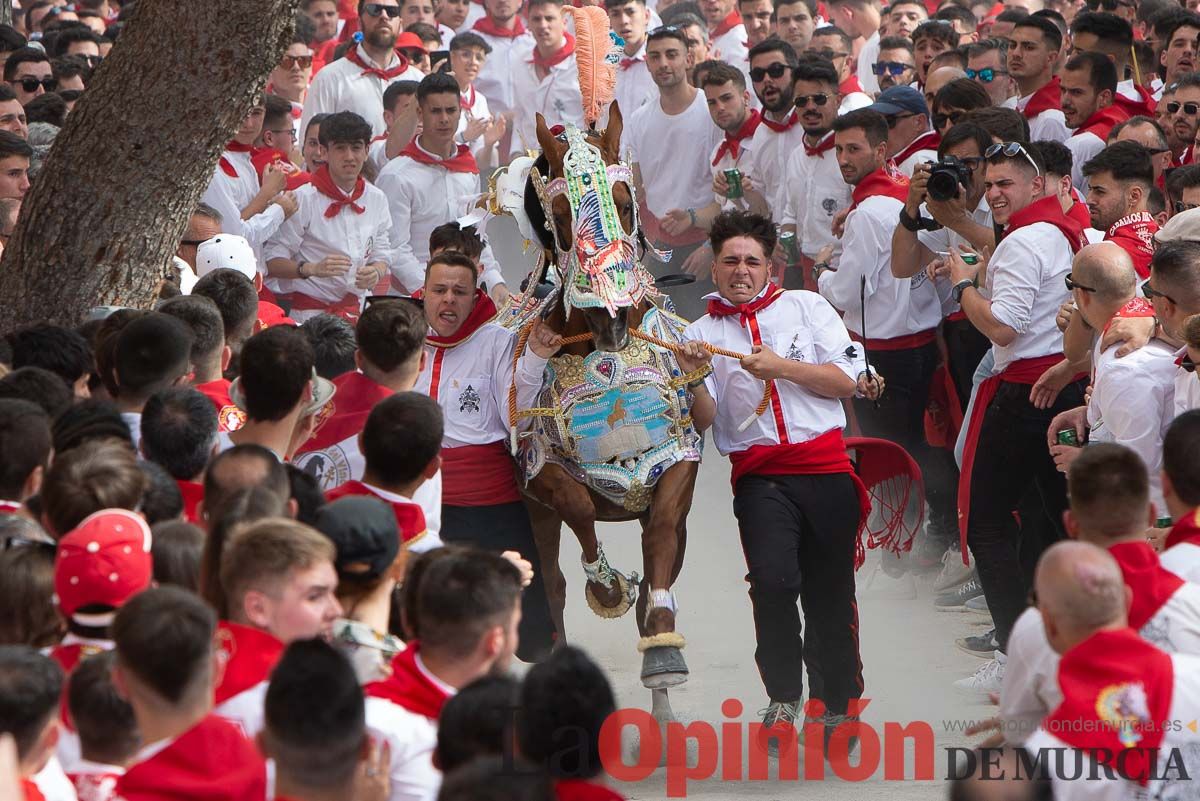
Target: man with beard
{"points": [[1034, 45], [833, 45], [814, 185], [356, 82], [629, 19], [896, 65], [1088, 85], [772, 69], [1184, 111], [504, 31], [860, 19]]}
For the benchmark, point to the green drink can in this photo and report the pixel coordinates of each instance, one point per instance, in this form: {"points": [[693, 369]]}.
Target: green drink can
{"points": [[1067, 437], [787, 241], [970, 259], [1163, 522], [734, 178]]}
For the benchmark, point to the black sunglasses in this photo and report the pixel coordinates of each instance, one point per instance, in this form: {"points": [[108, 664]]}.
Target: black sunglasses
{"points": [[1189, 109], [776, 70], [303, 62], [819, 99], [1072, 284], [894, 119], [1152, 293], [828, 55], [893, 68], [1011, 150], [31, 84], [940, 120], [376, 9]]}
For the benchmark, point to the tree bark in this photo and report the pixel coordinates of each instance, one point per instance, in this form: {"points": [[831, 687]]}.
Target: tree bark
{"points": [[104, 217], [6, 12]]}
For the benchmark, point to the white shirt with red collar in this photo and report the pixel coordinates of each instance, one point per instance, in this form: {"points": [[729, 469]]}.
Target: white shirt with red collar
{"points": [[727, 41], [1182, 554], [1089, 139], [346, 86], [556, 96], [798, 325], [816, 192], [213, 760], [251, 655], [674, 154], [495, 77], [735, 152], [421, 196], [635, 87], [474, 107], [310, 235], [1047, 124], [920, 150], [773, 145], [417, 541], [234, 184], [853, 96], [1187, 386], [895, 307], [95, 781]]}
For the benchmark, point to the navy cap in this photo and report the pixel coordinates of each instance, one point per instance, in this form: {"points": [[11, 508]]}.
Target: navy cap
{"points": [[900, 100], [364, 532]]}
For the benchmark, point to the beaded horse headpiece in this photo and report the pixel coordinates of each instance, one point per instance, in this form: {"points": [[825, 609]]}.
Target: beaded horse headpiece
{"points": [[600, 267]]}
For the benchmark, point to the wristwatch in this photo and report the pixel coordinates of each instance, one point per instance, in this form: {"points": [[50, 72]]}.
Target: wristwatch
{"points": [[818, 268], [300, 269], [960, 288]]}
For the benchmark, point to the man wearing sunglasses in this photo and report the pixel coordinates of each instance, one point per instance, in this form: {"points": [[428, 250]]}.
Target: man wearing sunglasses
{"points": [[1184, 116], [29, 73], [1174, 289], [1015, 308], [1034, 46], [833, 45], [1088, 86], [1120, 180], [987, 64], [911, 138], [356, 82], [896, 66], [291, 77], [773, 72]]}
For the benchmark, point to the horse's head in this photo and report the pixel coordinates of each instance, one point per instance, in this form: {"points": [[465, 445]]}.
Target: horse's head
{"points": [[592, 230]]}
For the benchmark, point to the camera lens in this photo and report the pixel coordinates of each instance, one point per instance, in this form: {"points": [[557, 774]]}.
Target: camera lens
{"points": [[942, 184]]}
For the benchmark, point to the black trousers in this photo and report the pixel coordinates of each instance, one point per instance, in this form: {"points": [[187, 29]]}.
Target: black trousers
{"points": [[1011, 459], [505, 527], [965, 348], [798, 535], [900, 418]]}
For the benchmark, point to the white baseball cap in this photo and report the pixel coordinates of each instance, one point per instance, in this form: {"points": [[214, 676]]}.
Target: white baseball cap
{"points": [[226, 251]]}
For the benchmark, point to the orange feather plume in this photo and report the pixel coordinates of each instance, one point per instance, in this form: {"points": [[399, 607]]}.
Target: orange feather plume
{"points": [[597, 73]]}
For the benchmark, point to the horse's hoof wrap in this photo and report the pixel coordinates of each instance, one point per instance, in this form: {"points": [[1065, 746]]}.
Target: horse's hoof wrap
{"points": [[628, 598]]}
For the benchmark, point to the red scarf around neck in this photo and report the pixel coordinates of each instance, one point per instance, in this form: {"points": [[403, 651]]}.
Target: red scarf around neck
{"points": [[355, 57], [732, 143], [324, 184], [1151, 583], [721, 308], [823, 146], [251, 655], [1103, 121], [628, 62], [483, 311], [884, 181], [557, 57], [1135, 235], [849, 86], [466, 100], [731, 21], [1108, 671], [233, 147], [409, 687], [1143, 106], [780, 127], [1048, 98], [926, 141], [1186, 529], [488, 25], [1049, 210], [461, 161]]}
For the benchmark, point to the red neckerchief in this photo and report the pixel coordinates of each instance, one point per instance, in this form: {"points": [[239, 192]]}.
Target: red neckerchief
{"points": [[628, 62], [1049, 210], [410, 517], [1137, 307], [884, 181], [193, 494], [466, 100], [409, 687], [1108, 670], [233, 147], [722, 308], [732, 143], [483, 311], [354, 57], [557, 57], [1135, 235], [461, 161], [263, 156], [10, 507], [356, 395], [488, 25], [30, 790], [251, 655], [322, 181], [731, 21], [849, 86], [1103, 121], [1151, 583], [821, 148], [1186, 529], [1143, 106], [926, 141], [780, 127], [584, 790], [1048, 98]]}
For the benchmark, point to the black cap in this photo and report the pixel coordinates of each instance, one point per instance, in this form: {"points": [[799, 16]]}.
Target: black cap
{"points": [[364, 532]]}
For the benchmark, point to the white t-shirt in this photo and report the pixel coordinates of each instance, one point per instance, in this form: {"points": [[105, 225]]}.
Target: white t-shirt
{"points": [[1049, 124], [772, 151], [556, 97], [495, 77], [674, 154]]}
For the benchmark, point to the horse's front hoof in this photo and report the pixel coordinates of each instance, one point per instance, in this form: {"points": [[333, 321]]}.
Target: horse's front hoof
{"points": [[663, 665], [612, 601]]}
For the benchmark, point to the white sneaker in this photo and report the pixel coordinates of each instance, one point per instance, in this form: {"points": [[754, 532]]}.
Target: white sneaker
{"points": [[954, 572], [978, 606], [883, 587], [986, 680]]}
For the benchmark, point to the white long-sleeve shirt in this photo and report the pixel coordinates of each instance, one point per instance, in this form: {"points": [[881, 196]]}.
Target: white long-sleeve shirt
{"points": [[772, 151], [799, 325], [895, 306], [496, 76], [635, 87], [310, 236], [230, 194], [420, 197], [1049, 124], [1084, 147], [815, 192], [342, 86], [556, 97], [866, 60]]}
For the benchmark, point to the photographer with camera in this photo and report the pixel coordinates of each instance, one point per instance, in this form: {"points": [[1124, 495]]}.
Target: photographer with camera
{"points": [[946, 208]]}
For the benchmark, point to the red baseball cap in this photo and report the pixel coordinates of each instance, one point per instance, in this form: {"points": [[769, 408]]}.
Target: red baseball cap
{"points": [[409, 39], [104, 561]]}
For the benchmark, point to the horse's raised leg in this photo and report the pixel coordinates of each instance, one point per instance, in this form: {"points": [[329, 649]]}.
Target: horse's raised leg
{"points": [[608, 592], [547, 533]]}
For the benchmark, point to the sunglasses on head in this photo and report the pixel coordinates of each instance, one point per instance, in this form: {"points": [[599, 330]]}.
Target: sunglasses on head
{"points": [[1151, 293], [818, 100], [1010, 150], [985, 75], [31, 84], [776, 70], [1189, 109], [377, 9], [892, 68], [291, 62], [1072, 284]]}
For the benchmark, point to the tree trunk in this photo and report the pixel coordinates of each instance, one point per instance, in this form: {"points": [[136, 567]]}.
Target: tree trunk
{"points": [[5, 12], [104, 217]]}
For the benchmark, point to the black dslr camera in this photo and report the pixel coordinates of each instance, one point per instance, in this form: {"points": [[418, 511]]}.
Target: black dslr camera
{"points": [[945, 177]]}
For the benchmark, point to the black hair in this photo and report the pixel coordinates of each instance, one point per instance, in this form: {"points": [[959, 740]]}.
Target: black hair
{"points": [[730, 224], [1050, 157], [719, 73], [436, 83], [500, 778], [1176, 267], [344, 127], [1005, 124], [316, 120], [461, 597], [11, 39], [152, 351], [60, 350], [48, 108], [30, 691], [896, 43], [276, 365], [455, 259], [1109, 488], [25, 443], [277, 112], [1181, 456], [69, 36], [42, 387], [161, 499], [469, 39], [1102, 74], [89, 419], [954, 13], [397, 90], [773, 44], [179, 428], [1127, 161], [403, 434], [962, 93], [937, 29], [815, 70], [236, 301], [566, 692], [104, 720], [668, 32], [477, 721], [965, 132], [23, 55], [1104, 26], [332, 340], [164, 636], [12, 145], [390, 333], [833, 30], [872, 123], [176, 549], [461, 239], [306, 492], [1012, 15], [1050, 31], [202, 317]]}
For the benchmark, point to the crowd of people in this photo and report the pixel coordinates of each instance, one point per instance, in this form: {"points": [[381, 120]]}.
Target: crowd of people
{"points": [[967, 228]]}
